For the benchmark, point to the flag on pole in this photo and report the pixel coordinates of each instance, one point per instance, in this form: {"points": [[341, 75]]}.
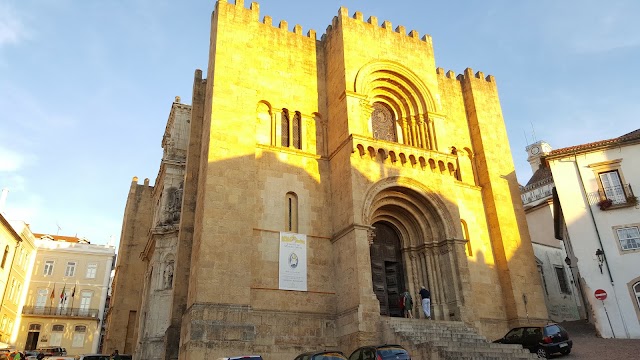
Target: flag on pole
{"points": [[62, 293], [53, 292], [73, 293]]}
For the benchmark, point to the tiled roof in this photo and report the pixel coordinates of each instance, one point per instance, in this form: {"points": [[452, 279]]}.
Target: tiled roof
{"points": [[543, 174], [73, 239], [634, 135]]}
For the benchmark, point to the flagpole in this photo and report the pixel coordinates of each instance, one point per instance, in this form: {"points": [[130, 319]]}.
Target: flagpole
{"points": [[53, 294], [73, 295]]}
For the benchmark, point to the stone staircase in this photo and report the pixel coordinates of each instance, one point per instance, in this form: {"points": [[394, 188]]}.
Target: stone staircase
{"points": [[445, 340]]}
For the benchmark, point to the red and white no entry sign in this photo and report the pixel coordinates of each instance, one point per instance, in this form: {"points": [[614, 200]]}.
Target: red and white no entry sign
{"points": [[600, 294]]}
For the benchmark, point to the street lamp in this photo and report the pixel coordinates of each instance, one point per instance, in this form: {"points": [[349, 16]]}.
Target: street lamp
{"points": [[600, 256]]}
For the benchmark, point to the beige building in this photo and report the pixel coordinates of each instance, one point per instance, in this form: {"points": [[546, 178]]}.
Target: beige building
{"points": [[67, 293], [17, 251], [560, 278], [321, 179]]}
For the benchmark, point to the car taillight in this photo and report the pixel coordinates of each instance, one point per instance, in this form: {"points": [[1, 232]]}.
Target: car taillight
{"points": [[547, 340], [379, 357]]}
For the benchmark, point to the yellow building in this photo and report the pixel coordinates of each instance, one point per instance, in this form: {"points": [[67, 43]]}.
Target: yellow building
{"points": [[67, 294], [322, 177], [17, 251]]}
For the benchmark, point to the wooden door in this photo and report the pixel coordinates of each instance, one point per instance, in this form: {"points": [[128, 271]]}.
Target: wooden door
{"points": [[32, 340], [386, 268]]}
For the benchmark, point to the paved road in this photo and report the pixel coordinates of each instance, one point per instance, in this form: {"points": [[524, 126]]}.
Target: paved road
{"points": [[587, 346]]}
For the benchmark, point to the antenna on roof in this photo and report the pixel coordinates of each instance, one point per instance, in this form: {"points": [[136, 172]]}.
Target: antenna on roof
{"points": [[59, 228], [533, 130], [526, 141]]}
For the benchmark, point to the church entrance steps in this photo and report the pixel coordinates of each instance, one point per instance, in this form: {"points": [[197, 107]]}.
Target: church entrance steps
{"points": [[444, 340]]}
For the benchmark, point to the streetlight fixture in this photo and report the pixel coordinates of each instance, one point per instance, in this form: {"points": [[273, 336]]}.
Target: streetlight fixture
{"points": [[600, 256]]}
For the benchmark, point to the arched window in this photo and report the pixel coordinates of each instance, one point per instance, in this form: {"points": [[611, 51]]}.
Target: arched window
{"points": [[636, 290], [78, 336], [35, 327], [285, 127], [291, 215], [465, 233], [4, 257], [56, 335], [383, 123], [297, 129]]}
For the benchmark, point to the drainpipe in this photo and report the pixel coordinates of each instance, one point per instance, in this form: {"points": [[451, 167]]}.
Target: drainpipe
{"points": [[595, 225], [593, 219]]}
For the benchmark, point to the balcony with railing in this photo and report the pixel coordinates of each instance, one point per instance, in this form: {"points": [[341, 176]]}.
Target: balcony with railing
{"points": [[613, 197], [59, 312]]}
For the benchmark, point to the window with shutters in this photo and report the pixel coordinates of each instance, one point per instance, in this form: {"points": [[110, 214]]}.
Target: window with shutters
{"points": [[613, 192], [78, 336], [48, 268], [628, 237], [92, 268], [71, 269]]}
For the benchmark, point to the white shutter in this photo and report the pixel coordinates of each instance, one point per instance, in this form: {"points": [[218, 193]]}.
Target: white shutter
{"points": [[612, 187]]}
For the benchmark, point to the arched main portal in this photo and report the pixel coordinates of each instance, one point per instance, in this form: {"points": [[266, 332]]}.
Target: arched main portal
{"points": [[386, 268], [416, 242]]}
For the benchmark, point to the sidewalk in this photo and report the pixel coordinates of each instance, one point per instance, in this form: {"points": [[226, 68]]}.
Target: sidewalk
{"points": [[587, 346]]}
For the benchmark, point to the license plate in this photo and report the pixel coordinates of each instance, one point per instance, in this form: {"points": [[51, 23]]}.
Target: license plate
{"points": [[563, 345]]}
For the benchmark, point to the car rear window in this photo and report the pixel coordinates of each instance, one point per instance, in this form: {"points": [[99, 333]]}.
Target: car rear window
{"points": [[552, 330], [330, 356], [391, 351]]}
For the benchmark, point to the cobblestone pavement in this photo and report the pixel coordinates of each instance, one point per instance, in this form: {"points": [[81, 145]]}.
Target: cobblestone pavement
{"points": [[587, 346]]}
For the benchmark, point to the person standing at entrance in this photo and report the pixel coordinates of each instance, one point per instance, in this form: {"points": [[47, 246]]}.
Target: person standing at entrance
{"points": [[408, 304], [426, 301]]}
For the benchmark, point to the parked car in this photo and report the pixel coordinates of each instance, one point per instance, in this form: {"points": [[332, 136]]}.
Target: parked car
{"points": [[380, 352], [52, 351], [322, 355], [93, 357], [542, 340]]}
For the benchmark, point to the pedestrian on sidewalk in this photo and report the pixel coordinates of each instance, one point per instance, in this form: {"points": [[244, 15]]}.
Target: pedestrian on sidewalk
{"points": [[426, 302]]}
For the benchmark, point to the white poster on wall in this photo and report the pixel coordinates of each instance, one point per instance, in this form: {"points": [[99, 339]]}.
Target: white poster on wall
{"points": [[293, 262]]}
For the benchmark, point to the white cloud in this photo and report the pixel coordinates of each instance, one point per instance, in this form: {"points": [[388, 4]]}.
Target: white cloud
{"points": [[12, 29], [11, 161]]}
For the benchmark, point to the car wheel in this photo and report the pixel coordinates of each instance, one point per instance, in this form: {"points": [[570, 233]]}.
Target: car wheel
{"points": [[565, 352], [542, 353]]}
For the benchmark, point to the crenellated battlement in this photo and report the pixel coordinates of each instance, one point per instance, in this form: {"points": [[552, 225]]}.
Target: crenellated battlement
{"points": [[342, 13], [254, 8], [372, 21], [468, 73]]}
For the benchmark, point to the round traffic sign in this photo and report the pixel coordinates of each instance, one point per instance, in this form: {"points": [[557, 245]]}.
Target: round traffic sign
{"points": [[600, 294]]}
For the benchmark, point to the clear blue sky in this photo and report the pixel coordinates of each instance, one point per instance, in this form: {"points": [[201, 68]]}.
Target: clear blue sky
{"points": [[86, 86]]}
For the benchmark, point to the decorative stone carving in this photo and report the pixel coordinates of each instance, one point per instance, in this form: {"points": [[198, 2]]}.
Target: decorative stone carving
{"points": [[371, 235], [382, 123], [167, 276]]}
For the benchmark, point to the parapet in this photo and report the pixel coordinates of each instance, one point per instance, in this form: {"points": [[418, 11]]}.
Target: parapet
{"points": [[468, 73], [343, 13], [254, 8]]}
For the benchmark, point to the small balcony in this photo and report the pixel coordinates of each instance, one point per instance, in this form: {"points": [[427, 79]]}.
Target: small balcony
{"points": [[60, 312], [614, 197]]}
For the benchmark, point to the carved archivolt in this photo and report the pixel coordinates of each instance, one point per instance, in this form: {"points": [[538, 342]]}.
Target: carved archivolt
{"points": [[412, 206], [390, 87]]}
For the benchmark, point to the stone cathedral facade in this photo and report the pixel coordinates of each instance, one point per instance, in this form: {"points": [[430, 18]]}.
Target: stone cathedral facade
{"points": [[389, 174]]}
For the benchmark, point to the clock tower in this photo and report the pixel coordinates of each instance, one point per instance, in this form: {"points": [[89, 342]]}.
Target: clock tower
{"points": [[535, 152]]}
